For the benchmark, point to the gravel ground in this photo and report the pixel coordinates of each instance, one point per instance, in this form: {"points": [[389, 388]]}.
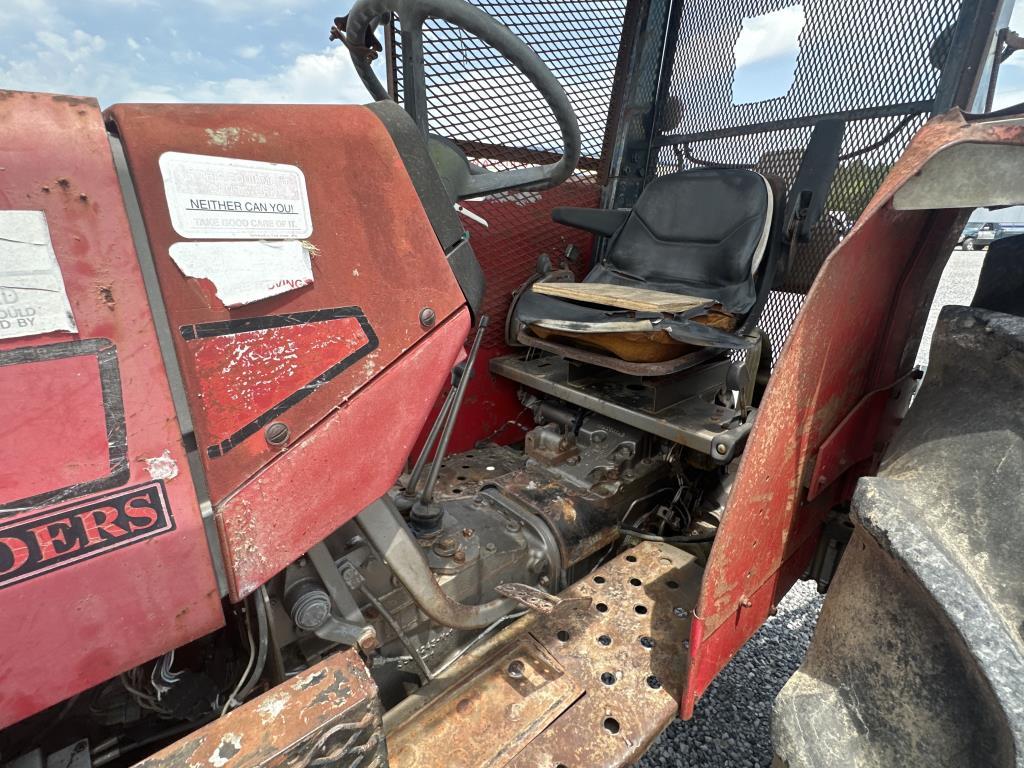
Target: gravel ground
{"points": [[731, 727], [956, 287]]}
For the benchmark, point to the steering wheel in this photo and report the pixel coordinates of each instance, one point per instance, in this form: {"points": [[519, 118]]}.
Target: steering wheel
{"points": [[462, 179]]}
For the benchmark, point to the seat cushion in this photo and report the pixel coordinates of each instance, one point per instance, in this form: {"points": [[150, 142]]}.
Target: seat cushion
{"points": [[701, 233], [698, 234]]}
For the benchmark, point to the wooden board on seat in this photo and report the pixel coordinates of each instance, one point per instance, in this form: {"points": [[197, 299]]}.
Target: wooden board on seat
{"points": [[622, 297]]}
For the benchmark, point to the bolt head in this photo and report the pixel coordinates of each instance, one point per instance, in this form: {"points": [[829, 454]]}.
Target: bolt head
{"points": [[721, 450], [516, 669], [681, 613], [427, 317], [276, 433]]}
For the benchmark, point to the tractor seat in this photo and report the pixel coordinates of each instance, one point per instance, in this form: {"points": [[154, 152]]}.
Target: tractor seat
{"points": [[685, 276]]}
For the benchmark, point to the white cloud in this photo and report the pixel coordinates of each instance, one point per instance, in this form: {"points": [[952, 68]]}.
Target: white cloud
{"points": [[19, 10], [251, 9], [327, 76], [88, 70], [770, 35], [249, 51], [133, 44], [1008, 97], [77, 47]]}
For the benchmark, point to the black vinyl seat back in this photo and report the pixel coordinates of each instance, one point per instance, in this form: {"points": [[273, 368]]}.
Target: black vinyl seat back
{"points": [[701, 233]]}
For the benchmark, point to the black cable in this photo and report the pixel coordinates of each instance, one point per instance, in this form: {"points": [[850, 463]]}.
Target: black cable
{"points": [[882, 141]]}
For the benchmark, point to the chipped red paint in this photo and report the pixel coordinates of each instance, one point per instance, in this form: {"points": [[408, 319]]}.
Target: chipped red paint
{"points": [[372, 245], [857, 332], [71, 628], [245, 374], [348, 461], [373, 250]]}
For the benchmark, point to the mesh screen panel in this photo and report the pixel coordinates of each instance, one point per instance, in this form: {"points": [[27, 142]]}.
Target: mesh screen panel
{"points": [[476, 97], [876, 58]]}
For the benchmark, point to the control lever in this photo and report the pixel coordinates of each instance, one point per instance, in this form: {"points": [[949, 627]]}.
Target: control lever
{"points": [[425, 515]]}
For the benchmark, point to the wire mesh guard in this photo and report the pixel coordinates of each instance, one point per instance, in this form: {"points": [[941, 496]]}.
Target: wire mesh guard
{"points": [[875, 61], [476, 97]]}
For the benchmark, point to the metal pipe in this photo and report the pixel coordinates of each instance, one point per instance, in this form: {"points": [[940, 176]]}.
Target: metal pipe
{"points": [[428, 490], [385, 530]]}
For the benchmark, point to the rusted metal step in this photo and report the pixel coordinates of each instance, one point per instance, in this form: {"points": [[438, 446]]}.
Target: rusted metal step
{"points": [[592, 686], [328, 715]]}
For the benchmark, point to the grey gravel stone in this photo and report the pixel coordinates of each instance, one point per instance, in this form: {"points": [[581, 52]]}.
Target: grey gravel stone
{"points": [[731, 725]]}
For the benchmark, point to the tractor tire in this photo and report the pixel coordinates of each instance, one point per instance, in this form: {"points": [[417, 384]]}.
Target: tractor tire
{"points": [[918, 655]]}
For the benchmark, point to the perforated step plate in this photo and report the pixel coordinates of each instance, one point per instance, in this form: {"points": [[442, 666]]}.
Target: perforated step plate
{"points": [[591, 686]]}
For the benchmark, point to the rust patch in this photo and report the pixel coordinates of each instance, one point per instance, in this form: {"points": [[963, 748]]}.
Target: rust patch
{"points": [[75, 101], [330, 715], [621, 654], [492, 715], [106, 296]]}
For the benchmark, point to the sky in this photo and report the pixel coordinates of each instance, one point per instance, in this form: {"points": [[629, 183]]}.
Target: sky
{"points": [[250, 51], [188, 50]]}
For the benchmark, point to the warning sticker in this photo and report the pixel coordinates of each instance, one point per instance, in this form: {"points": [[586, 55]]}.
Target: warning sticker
{"points": [[33, 299], [224, 198], [243, 273]]}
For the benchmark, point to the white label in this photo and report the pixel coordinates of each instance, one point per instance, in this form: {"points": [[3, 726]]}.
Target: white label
{"points": [[33, 299], [218, 197], [246, 272]]}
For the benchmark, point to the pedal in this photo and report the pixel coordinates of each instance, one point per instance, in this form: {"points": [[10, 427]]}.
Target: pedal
{"points": [[538, 600]]}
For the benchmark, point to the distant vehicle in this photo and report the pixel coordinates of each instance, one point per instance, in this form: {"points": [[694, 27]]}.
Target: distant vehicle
{"points": [[975, 237], [969, 236]]}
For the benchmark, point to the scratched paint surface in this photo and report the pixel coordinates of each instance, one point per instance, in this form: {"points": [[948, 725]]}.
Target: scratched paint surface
{"points": [[344, 464], [329, 712], [243, 375], [372, 245], [38, 426], [869, 301], [70, 423]]}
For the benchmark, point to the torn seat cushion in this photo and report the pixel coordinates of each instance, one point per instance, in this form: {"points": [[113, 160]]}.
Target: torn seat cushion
{"points": [[700, 233]]}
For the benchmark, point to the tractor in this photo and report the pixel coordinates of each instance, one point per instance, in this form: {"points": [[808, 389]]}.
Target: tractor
{"points": [[483, 424]]}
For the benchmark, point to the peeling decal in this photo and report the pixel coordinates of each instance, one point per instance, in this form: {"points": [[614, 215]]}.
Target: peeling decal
{"points": [[212, 197], [244, 272], [32, 546], [33, 299], [163, 467]]}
